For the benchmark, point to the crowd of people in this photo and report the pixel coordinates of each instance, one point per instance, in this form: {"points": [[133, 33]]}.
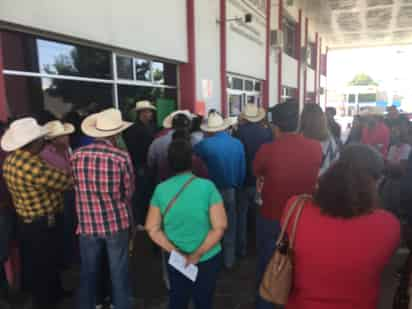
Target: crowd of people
{"points": [[82, 190]]}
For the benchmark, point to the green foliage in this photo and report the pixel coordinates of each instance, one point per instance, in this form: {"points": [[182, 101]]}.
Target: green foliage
{"points": [[362, 79]]}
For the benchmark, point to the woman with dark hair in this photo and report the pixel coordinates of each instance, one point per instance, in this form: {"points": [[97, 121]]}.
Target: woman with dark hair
{"points": [[313, 124], [343, 240], [187, 216]]}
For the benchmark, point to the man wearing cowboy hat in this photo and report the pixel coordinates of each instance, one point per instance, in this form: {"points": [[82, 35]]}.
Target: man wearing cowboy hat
{"points": [[225, 159], [157, 155], [138, 139], [104, 185], [37, 192], [253, 133]]}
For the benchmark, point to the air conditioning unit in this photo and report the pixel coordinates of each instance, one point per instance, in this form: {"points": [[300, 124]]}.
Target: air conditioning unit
{"points": [[276, 39]]}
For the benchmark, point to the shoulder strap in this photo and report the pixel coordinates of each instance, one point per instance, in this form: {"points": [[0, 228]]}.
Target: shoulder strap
{"points": [[300, 201], [175, 197]]}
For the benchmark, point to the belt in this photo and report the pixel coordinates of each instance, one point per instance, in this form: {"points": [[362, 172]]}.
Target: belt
{"points": [[50, 219]]}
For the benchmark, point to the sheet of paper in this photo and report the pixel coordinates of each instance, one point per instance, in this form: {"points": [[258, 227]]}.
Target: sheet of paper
{"points": [[178, 261]]}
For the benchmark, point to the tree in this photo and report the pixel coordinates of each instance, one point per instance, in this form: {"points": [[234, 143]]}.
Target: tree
{"points": [[363, 79]]}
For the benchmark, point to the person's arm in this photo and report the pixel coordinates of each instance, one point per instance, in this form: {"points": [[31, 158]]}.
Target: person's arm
{"points": [[259, 162], [129, 180], [218, 220], [154, 229]]}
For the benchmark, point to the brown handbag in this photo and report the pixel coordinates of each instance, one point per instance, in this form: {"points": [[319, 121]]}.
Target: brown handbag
{"points": [[277, 283]]}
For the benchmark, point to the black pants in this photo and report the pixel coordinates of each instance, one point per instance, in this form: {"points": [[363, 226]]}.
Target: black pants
{"points": [[41, 254]]}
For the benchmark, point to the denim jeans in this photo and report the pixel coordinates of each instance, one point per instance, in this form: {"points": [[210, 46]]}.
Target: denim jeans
{"points": [[91, 251], [229, 239], [245, 203], [182, 290], [267, 232]]}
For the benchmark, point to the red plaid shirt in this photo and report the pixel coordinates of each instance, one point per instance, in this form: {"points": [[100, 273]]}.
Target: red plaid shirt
{"points": [[104, 184]]}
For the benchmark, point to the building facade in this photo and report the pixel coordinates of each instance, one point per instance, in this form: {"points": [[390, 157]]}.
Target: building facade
{"points": [[57, 57]]}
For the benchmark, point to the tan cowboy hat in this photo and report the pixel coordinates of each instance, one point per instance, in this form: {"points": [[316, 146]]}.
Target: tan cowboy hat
{"points": [[141, 105], [21, 133], [167, 122], [216, 123], [57, 128], [253, 113], [104, 124]]}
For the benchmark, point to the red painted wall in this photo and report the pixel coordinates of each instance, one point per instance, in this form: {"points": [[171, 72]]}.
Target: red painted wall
{"points": [[187, 71], [266, 83], [298, 51], [280, 27], [305, 75], [223, 81], [3, 105]]}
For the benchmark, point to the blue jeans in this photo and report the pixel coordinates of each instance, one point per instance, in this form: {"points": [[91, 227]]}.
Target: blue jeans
{"points": [[229, 239], [182, 290], [245, 203], [267, 233], [91, 251]]}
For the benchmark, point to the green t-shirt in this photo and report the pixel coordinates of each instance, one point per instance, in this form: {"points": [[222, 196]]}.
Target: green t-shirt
{"points": [[187, 223]]}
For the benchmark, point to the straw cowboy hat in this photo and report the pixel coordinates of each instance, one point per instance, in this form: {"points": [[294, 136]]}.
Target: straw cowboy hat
{"points": [[57, 128], [253, 113], [21, 133], [215, 123], [141, 105], [105, 124], [167, 122]]}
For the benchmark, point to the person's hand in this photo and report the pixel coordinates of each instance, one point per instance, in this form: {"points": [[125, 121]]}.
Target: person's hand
{"points": [[259, 184], [192, 259]]}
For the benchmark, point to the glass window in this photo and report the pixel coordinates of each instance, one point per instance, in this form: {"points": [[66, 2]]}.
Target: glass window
{"points": [[312, 55], [143, 70], [248, 85], [235, 105], [24, 52], [124, 67], [289, 37], [237, 83], [158, 70], [258, 86], [229, 82], [38, 96]]}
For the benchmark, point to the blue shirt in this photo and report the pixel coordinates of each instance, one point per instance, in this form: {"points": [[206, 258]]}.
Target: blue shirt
{"points": [[225, 160], [252, 135]]}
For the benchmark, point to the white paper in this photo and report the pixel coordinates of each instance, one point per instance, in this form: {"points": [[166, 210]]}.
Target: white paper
{"points": [[178, 261]]}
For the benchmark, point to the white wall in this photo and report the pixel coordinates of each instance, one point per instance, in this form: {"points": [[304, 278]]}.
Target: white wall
{"points": [[273, 81], [155, 27], [310, 80], [289, 71], [208, 50], [245, 42], [323, 81]]}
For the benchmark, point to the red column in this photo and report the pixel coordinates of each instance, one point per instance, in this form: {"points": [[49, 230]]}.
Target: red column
{"points": [[266, 83], [326, 75], [305, 75], [316, 66], [187, 71], [3, 104], [299, 50], [280, 27], [319, 68], [223, 81]]}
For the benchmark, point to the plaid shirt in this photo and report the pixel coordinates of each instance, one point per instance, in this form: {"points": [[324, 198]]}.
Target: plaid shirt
{"points": [[104, 184], [36, 188]]}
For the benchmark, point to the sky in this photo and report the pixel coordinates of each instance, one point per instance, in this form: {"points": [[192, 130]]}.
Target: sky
{"points": [[390, 66]]}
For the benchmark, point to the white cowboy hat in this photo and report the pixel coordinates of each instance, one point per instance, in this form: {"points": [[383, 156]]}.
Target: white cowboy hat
{"points": [[104, 124], [253, 113], [21, 133], [167, 122], [141, 105], [57, 128], [215, 123]]}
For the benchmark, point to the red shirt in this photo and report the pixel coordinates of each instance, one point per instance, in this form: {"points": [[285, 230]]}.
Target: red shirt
{"points": [[290, 166], [104, 185], [338, 262], [378, 137]]}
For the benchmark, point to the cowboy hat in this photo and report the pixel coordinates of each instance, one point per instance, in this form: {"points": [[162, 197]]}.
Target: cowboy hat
{"points": [[21, 133], [215, 123], [167, 122], [105, 124], [57, 128], [253, 113], [141, 105]]}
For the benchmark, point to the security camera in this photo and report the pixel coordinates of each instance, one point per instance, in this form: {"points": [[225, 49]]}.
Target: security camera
{"points": [[248, 18]]}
